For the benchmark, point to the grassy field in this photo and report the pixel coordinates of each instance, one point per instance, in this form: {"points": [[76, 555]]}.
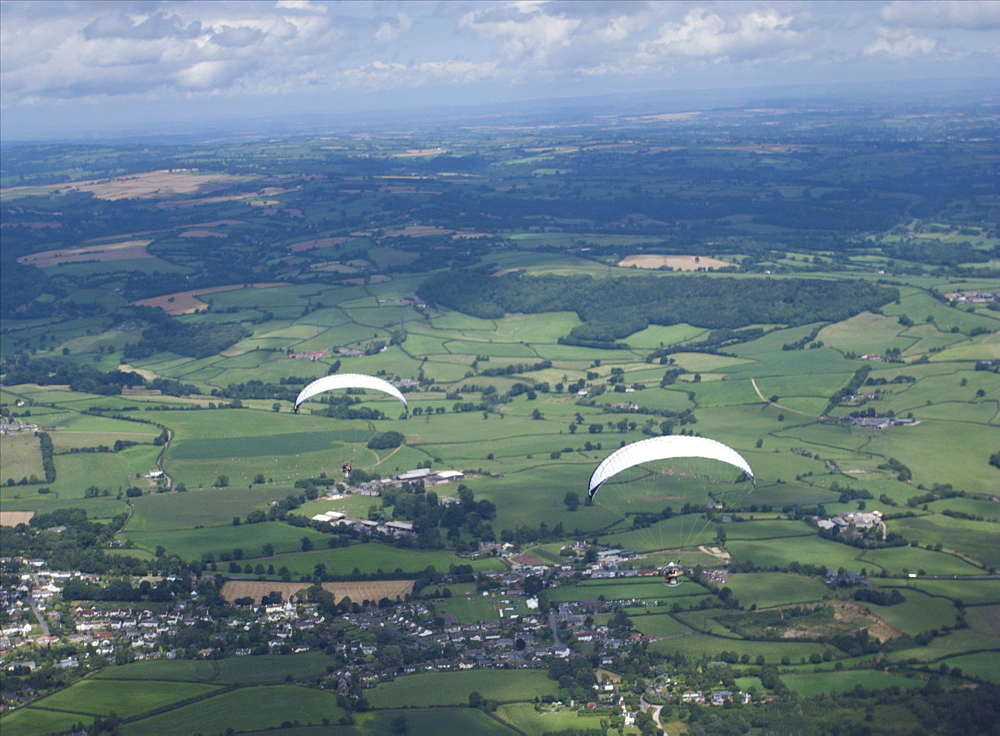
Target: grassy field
{"points": [[207, 507], [627, 590], [527, 720], [775, 589], [373, 557], [21, 457], [431, 720], [127, 698], [33, 721], [453, 688], [696, 645], [161, 669], [261, 707], [824, 682], [192, 543], [981, 664]]}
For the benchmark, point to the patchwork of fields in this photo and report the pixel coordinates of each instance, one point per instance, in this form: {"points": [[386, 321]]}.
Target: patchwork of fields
{"points": [[150, 377]]}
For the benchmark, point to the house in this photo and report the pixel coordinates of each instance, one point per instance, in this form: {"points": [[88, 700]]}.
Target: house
{"points": [[720, 696]]}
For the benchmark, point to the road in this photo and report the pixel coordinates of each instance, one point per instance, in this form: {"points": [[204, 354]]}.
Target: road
{"points": [[38, 614], [557, 642]]}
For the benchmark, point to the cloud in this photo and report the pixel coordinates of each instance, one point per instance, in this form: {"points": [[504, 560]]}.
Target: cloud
{"points": [[968, 15], [387, 75], [155, 26], [303, 5], [181, 51], [389, 31], [707, 35], [899, 44], [237, 37], [526, 32]]}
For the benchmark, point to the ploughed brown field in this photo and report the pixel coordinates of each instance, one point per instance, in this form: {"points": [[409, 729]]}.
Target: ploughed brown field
{"points": [[678, 263], [13, 518], [374, 590], [187, 302]]}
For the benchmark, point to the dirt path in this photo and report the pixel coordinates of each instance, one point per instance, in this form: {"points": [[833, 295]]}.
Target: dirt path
{"points": [[753, 382], [720, 554]]}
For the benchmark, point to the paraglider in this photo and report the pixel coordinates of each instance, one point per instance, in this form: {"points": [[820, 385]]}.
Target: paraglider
{"points": [[661, 448], [636, 493], [348, 380]]}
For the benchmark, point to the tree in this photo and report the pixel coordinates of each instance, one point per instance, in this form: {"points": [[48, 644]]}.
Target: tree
{"points": [[475, 699], [222, 481], [572, 500]]}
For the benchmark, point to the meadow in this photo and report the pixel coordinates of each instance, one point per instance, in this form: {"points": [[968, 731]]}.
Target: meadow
{"points": [[823, 682], [528, 720], [453, 688], [261, 707]]}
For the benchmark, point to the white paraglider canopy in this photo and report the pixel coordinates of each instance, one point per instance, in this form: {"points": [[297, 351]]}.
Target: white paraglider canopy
{"points": [[348, 380], [661, 448]]}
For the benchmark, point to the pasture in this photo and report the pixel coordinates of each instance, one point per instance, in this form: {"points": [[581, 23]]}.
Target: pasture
{"points": [[696, 645], [838, 682], [30, 721], [127, 698], [431, 721], [193, 543], [529, 720], [260, 707], [453, 688], [372, 557], [206, 507], [767, 590], [21, 457]]}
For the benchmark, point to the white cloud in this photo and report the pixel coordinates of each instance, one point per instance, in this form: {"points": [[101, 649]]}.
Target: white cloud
{"points": [[969, 15], [388, 31], [174, 50], [899, 44], [385, 75], [304, 5], [237, 37], [526, 32], [707, 35]]}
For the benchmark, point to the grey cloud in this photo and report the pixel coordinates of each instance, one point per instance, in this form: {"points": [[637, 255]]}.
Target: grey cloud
{"points": [[154, 27], [237, 37], [967, 15]]}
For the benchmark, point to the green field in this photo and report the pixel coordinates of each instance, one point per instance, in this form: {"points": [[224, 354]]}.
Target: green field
{"points": [[245, 708], [192, 543], [453, 688], [775, 589], [528, 720], [431, 720], [127, 698], [33, 721], [21, 457], [824, 682]]}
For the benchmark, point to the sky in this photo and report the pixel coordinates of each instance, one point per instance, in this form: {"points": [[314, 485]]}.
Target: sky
{"points": [[80, 67]]}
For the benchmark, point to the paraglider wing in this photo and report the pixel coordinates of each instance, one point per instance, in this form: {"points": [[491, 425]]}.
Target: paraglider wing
{"points": [[661, 448], [348, 380]]}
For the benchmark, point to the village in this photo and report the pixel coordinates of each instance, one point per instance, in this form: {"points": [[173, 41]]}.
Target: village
{"points": [[373, 643]]}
